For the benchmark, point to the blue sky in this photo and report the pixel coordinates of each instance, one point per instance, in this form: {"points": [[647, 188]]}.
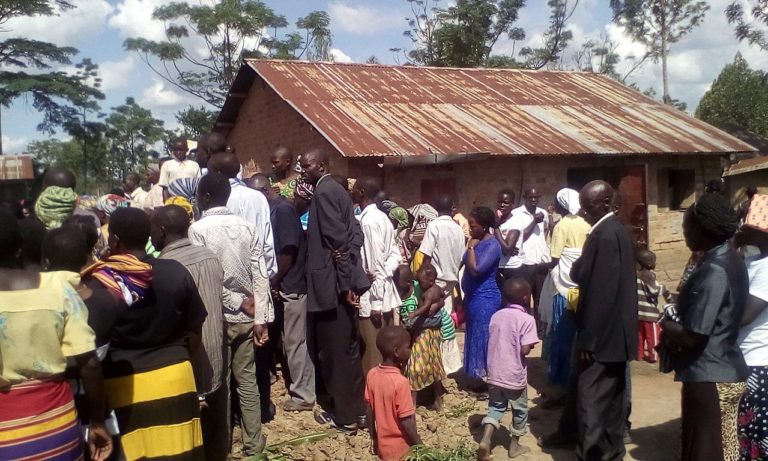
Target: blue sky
{"points": [[361, 28]]}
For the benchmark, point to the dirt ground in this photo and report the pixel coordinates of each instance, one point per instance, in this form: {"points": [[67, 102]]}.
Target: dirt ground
{"points": [[655, 422]]}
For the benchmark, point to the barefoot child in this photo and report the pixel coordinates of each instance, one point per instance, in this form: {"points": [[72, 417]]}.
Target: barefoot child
{"points": [[391, 412], [425, 367], [648, 292], [512, 336]]}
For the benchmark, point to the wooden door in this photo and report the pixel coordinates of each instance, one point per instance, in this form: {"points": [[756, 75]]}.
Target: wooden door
{"points": [[633, 208]]}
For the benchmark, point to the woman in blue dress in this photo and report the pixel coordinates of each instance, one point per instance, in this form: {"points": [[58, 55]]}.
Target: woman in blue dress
{"points": [[482, 296]]}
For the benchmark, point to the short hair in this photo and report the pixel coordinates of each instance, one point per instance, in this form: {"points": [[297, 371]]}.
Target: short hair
{"points": [[515, 289], [87, 226], [508, 191], [714, 186], [32, 235], [216, 185], [131, 226], [646, 258], [212, 142], [484, 216], [10, 235], [429, 270], [320, 156], [132, 175], [260, 180], [117, 191], [370, 186], [173, 218], [444, 203], [713, 213], [65, 249], [225, 163], [390, 337], [61, 177]]}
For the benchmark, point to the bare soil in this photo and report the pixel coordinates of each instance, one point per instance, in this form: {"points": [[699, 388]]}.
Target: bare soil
{"points": [[655, 422]]}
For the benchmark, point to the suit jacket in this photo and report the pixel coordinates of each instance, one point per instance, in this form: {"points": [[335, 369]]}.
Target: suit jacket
{"points": [[332, 226], [606, 318]]}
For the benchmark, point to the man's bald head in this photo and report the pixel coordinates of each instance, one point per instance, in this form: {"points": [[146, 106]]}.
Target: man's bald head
{"points": [[314, 165], [207, 145], [225, 163], [282, 160], [597, 199], [60, 177], [260, 183], [169, 224]]}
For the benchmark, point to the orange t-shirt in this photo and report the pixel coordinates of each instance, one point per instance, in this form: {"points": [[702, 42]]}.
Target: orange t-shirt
{"points": [[388, 393]]}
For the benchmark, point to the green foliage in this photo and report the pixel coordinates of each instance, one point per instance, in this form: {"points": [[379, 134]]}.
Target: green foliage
{"points": [[462, 452], [463, 408], [195, 121], [274, 452], [230, 31], [749, 25], [69, 154], [738, 98], [131, 131], [556, 37], [15, 8]]}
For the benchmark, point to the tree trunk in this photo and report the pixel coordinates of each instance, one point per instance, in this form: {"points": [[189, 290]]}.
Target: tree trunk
{"points": [[666, 98]]}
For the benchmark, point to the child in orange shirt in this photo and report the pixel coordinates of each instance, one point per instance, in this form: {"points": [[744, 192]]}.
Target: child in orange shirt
{"points": [[391, 411]]}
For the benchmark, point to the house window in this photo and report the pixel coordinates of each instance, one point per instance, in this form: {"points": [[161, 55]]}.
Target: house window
{"points": [[677, 189]]}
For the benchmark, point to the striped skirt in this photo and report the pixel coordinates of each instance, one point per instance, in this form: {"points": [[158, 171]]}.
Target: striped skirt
{"points": [[158, 414], [38, 421]]}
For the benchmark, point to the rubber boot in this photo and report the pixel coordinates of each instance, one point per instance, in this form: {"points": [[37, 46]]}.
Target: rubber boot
{"points": [[484, 450]]}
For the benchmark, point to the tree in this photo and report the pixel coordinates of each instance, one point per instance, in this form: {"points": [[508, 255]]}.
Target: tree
{"points": [[69, 154], [195, 121], [556, 37], [230, 30], [51, 92], [600, 56], [131, 131], [738, 98], [750, 26], [658, 24]]}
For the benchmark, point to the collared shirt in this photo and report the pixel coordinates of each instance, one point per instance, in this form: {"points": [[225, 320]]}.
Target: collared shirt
{"points": [[239, 246], [289, 233], [444, 242], [208, 275], [380, 257], [608, 215], [513, 223], [174, 169], [254, 208], [511, 328], [535, 249], [137, 197], [154, 198]]}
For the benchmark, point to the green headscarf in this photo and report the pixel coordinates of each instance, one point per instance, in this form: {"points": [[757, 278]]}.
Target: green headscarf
{"points": [[399, 215], [54, 205]]}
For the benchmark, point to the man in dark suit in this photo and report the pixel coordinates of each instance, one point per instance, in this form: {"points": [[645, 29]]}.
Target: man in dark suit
{"points": [[333, 288], [606, 321]]}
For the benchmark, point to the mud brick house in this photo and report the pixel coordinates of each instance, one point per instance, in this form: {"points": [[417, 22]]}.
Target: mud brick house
{"points": [[471, 132]]}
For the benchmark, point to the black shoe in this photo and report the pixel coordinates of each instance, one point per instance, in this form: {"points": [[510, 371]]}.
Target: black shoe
{"points": [[557, 441], [346, 429], [362, 422]]}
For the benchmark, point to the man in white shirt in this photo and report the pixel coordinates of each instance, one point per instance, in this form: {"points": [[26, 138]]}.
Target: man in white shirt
{"points": [[154, 198], [535, 249], [246, 296], [508, 234], [133, 190], [246, 203], [443, 247], [380, 258], [179, 166]]}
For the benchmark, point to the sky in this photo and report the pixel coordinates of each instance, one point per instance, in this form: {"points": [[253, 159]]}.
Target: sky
{"points": [[361, 28]]}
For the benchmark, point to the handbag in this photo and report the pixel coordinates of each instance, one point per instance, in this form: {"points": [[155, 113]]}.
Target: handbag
{"points": [[666, 356]]}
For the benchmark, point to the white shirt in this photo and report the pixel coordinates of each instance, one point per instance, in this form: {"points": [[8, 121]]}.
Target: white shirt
{"points": [[254, 208], [753, 338], [239, 246], [174, 169], [381, 256], [518, 223], [444, 242], [535, 248], [137, 197], [154, 198]]}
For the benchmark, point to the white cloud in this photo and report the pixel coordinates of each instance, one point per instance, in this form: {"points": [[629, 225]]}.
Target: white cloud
{"points": [[361, 19], [339, 56], [160, 96], [70, 28], [14, 145], [133, 18], [117, 75]]}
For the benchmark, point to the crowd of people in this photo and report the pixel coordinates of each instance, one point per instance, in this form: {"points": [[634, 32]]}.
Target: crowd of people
{"points": [[145, 324]]}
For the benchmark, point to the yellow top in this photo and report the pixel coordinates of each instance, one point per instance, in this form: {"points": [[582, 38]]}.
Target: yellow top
{"points": [[40, 328], [570, 232]]}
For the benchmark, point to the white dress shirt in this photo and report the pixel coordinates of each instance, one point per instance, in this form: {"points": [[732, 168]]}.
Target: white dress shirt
{"points": [[444, 242], [239, 246], [154, 198], [137, 197], [513, 223], [254, 208], [381, 256], [536, 248], [174, 169]]}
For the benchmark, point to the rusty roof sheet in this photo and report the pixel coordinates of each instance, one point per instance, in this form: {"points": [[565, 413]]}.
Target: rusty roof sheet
{"points": [[374, 110], [747, 166]]}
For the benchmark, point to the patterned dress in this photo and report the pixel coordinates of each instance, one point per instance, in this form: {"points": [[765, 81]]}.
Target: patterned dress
{"points": [[425, 365]]}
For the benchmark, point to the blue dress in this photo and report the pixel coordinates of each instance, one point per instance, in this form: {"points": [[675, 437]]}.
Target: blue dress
{"points": [[482, 300]]}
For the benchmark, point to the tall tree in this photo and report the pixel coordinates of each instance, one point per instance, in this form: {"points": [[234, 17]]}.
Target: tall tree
{"points": [[556, 37], [658, 24], [195, 121], [738, 98], [601, 56], [751, 25], [51, 93], [131, 132], [69, 154], [229, 31]]}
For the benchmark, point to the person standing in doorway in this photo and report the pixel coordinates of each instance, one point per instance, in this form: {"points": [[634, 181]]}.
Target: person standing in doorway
{"points": [[606, 325]]}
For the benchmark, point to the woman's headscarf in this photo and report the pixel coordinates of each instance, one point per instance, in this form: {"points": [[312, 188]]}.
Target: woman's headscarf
{"points": [[400, 216], [388, 205], [54, 205], [305, 190], [124, 276], [184, 187], [107, 204], [569, 200], [183, 203], [423, 214]]}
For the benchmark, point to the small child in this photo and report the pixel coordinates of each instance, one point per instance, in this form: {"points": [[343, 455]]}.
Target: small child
{"points": [[648, 291], [512, 335], [390, 408]]}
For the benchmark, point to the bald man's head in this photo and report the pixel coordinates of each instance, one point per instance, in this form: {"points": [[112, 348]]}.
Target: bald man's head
{"points": [[169, 224], [597, 199], [282, 161], [260, 183], [314, 165], [225, 163], [207, 145], [60, 177]]}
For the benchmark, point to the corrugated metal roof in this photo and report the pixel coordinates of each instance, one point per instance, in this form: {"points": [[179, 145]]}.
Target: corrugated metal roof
{"points": [[374, 110], [747, 166]]}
